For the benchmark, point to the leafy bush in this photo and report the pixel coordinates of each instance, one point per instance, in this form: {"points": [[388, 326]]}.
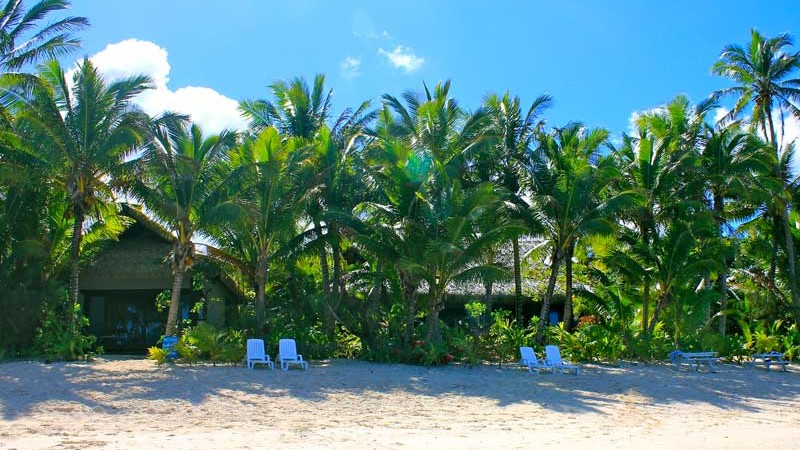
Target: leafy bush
{"points": [[506, 336], [206, 339], [590, 342], [188, 352], [465, 347], [158, 354], [58, 339], [431, 354]]}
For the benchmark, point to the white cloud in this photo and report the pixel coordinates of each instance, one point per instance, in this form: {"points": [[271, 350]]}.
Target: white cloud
{"points": [[719, 113], [403, 58], [207, 107], [633, 120], [351, 66], [364, 26]]}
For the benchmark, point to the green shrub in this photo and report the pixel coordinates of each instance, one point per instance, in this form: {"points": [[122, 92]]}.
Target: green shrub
{"points": [[187, 351], [430, 354], [58, 339], [233, 346], [206, 339], [465, 346], [506, 336], [590, 342], [158, 354]]}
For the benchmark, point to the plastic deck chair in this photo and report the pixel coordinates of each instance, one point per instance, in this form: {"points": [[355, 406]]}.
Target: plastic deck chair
{"points": [[530, 360], [553, 358], [256, 354], [287, 349]]}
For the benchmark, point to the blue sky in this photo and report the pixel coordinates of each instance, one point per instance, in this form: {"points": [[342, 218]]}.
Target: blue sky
{"points": [[600, 60]]}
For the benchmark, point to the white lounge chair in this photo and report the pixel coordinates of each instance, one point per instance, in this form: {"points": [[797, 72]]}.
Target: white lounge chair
{"points": [[288, 354], [257, 355], [530, 360], [552, 357]]}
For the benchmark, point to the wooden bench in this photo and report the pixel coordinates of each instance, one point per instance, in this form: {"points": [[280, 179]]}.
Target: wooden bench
{"points": [[694, 359], [769, 359]]}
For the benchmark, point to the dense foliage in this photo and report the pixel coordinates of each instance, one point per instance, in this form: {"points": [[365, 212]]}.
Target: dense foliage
{"points": [[351, 233]]}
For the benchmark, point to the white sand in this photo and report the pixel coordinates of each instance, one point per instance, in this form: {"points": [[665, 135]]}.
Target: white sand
{"points": [[351, 404]]}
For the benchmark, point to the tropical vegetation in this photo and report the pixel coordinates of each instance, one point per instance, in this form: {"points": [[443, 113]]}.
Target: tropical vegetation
{"points": [[353, 233]]}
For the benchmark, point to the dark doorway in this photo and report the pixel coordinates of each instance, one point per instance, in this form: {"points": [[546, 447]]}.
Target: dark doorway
{"points": [[125, 321]]}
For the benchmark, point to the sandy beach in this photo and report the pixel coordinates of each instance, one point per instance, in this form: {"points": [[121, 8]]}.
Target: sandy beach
{"points": [[110, 403]]}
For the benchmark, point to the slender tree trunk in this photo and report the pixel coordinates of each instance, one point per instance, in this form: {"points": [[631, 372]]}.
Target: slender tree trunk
{"points": [[174, 303], [660, 304], [723, 275], [74, 264], [328, 321], [338, 284], [517, 280], [323, 259], [436, 304], [487, 294], [646, 283], [261, 288], [645, 304], [410, 295], [373, 306], [773, 262], [548, 295], [568, 288], [790, 254]]}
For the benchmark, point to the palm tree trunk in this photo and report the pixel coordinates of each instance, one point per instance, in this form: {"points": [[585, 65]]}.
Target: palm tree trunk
{"points": [[487, 294], [645, 282], [261, 287], [328, 321], [660, 304], [338, 284], [548, 295], [517, 280], [568, 288], [74, 263], [719, 212], [436, 304], [645, 304], [790, 254], [323, 259], [410, 294], [773, 262], [372, 310], [174, 303]]}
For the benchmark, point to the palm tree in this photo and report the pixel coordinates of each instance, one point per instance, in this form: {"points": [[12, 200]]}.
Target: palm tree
{"points": [[731, 161], [301, 112], [514, 133], [183, 179], [297, 110], [78, 137], [564, 176], [268, 171], [656, 165], [441, 139], [23, 40], [763, 73]]}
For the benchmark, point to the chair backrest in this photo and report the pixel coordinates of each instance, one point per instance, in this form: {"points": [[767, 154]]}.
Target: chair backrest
{"points": [[288, 349], [528, 355], [255, 349], [552, 354]]}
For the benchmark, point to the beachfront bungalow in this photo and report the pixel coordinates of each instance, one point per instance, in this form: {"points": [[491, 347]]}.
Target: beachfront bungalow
{"points": [[120, 286]]}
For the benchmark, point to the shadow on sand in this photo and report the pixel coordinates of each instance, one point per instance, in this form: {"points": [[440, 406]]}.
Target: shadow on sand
{"points": [[24, 385]]}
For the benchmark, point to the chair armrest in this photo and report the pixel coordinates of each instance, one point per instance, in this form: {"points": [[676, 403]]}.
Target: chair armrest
{"points": [[299, 357]]}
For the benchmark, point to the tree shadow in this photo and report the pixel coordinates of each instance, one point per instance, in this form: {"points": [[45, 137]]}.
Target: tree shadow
{"points": [[105, 388]]}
